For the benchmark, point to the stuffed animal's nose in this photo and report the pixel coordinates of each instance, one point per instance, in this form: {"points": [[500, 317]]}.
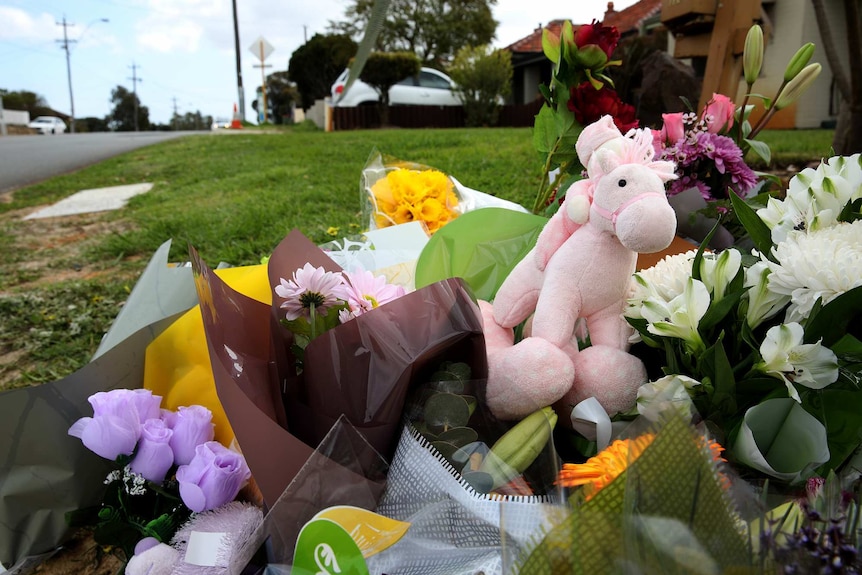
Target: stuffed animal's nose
{"points": [[647, 226]]}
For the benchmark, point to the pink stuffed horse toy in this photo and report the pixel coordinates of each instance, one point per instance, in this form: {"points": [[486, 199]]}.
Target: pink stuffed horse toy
{"points": [[581, 268]]}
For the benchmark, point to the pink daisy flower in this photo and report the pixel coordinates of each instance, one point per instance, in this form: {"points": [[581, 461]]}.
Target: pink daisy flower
{"points": [[310, 286], [366, 292]]}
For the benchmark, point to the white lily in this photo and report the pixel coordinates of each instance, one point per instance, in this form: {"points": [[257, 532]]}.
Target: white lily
{"points": [[668, 392], [717, 271], [763, 303], [680, 316], [787, 358]]}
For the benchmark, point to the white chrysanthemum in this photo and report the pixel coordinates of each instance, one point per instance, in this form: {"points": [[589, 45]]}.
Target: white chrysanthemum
{"points": [[815, 198], [664, 281], [818, 264]]}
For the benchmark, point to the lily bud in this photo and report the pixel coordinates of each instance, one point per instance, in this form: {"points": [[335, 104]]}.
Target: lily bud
{"points": [[797, 86], [798, 62], [752, 55]]}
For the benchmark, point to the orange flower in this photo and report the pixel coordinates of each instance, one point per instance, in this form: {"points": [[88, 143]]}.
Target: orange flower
{"points": [[600, 470], [607, 465]]}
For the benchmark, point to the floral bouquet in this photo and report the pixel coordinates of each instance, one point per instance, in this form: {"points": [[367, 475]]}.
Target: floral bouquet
{"points": [[167, 467], [579, 93], [767, 347], [396, 192], [284, 390], [710, 148]]}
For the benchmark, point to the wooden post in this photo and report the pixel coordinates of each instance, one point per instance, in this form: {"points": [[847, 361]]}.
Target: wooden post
{"points": [[733, 18]]}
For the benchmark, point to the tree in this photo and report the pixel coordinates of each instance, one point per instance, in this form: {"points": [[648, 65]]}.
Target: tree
{"points": [[281, 94], [122, 117], [383, 70], [432, 29], [315, 65], [848, 131], [91, 124], [26, 102], [483, 75], [191, 121]]}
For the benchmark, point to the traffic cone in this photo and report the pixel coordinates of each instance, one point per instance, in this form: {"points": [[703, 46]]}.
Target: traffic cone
{"points": [[235, 124]]}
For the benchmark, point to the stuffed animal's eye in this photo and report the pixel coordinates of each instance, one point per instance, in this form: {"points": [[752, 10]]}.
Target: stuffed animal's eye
{"points": [[622, 183]]}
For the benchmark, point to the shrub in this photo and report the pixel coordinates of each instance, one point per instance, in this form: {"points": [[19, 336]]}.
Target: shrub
{"points": [[483, 76], [382, 70]]}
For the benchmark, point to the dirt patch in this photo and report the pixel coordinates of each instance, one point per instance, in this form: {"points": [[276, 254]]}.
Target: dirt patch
{"points": [[80, 556], [51, 250]]}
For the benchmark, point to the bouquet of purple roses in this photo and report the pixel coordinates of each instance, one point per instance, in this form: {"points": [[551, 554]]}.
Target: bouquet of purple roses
{"points": [[168, 467]]}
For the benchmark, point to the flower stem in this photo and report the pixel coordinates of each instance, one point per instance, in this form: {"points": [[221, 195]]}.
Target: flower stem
{"points": [[312, 316]]}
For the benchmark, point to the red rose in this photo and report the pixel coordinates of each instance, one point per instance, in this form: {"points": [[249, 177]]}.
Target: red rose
{"points": [[590, 104], [605, 37]]}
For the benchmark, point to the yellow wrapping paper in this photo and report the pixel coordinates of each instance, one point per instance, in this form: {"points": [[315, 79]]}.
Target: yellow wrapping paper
{"points": [[177, 363]]}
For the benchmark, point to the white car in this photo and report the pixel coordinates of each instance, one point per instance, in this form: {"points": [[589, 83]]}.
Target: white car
{"points": [[428, 88], [48, 125]]}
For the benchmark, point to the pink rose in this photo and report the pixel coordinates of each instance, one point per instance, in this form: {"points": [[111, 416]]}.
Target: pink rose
{"points": [[718, 113], [673, 129]]}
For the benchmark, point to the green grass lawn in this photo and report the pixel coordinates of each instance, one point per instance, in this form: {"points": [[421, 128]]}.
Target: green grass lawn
{"points": [[232, 196]]}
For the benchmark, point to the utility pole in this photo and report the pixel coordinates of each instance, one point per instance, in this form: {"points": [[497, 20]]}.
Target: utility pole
{"points": [[135, 81], [176, 116], [65, 41], [238, 64]]}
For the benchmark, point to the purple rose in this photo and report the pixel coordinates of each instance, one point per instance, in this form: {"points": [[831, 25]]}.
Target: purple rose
{"points": [[154, 456], [115, 426], [192, 426], [213, 477]]}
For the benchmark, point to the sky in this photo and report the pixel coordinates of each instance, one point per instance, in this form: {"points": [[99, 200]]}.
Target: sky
{"points": [[181, 52]]}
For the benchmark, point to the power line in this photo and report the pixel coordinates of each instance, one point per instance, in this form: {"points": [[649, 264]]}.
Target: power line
{"points": [[135, 79]]}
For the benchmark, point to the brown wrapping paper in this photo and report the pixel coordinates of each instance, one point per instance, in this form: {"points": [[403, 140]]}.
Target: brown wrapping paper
{"points": [[362, 369]]}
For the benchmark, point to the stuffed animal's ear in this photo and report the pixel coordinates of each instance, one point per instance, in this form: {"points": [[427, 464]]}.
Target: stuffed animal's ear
{"points": [[607, 160], [666, 171]]}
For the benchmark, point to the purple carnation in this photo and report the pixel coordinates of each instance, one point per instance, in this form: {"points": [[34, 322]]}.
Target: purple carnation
{"points": [[711, 163]]}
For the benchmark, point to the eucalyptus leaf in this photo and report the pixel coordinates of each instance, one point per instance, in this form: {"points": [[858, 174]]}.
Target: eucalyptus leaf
{"points": [[446, 410], [479, 480], [445, 448], [459, 436], [445, 381]]}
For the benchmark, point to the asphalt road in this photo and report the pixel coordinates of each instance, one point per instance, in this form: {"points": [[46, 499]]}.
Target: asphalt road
{"points": [[26, 160]]}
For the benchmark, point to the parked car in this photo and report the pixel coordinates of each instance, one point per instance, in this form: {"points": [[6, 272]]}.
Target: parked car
{"points": [[428, 88], [48, 125]]}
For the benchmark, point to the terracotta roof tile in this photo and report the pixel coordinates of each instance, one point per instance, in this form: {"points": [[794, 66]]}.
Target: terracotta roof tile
{"points": [[627, 20]]}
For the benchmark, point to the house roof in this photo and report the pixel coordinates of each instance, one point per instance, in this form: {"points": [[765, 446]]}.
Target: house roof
{"points": [[626, 21]]}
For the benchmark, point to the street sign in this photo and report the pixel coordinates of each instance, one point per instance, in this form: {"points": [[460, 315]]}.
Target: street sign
{"points": [[261, 48]]}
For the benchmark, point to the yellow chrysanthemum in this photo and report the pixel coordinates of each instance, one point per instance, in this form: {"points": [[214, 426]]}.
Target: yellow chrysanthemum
{"points": [[406, 195], [607, 465]]}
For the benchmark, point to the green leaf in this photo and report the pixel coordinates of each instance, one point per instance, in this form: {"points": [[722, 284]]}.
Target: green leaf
{"points": [[852, 211], [831, 322], [545, 131], [482, 246], [760, 148], [840, 410], [757, 230], [715, 365], [718, 310]]}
